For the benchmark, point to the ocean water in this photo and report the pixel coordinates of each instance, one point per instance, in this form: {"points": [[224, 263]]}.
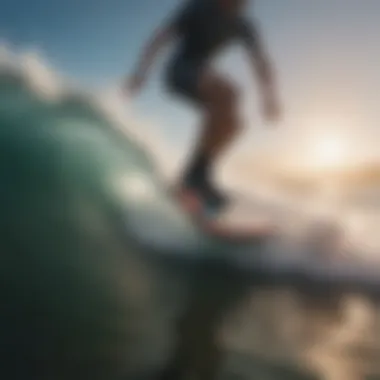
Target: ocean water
{"points": [[103, 276]]}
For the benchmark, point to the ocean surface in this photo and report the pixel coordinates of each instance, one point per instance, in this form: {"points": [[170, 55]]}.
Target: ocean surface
{"points": [[103, 276]]}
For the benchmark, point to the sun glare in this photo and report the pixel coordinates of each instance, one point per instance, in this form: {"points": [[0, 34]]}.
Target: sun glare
{"points": [[329, 151]]}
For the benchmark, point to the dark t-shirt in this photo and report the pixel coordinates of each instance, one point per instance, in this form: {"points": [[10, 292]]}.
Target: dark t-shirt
{"points": [[204, 28]]}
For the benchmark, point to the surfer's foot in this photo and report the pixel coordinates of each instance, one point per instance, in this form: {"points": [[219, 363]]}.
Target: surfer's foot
{"points": [[214, 197], [190, 200], [207, 198]]}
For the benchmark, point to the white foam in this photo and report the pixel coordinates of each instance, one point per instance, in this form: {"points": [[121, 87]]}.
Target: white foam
{"points": [[8, 60], [42, 79], [49, 84]]}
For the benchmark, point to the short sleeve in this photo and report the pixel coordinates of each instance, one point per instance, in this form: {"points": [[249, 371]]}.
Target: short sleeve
{"points": [[247, 33], [184, 14]]}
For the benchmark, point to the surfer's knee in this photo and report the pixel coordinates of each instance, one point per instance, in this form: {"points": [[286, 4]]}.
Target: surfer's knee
{"points": [[225, 102], [226, 108], [227, 97], [219, 93], [221, 100]]}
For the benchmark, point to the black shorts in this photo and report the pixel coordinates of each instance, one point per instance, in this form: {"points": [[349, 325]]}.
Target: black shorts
{"points": [[182, 78]]}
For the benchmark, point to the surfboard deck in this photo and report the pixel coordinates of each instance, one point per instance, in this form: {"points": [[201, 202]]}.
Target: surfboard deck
{"points": [[222, 224]]}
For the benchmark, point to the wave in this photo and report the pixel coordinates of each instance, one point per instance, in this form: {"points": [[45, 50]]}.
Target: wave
{"points": [[88, 223]]}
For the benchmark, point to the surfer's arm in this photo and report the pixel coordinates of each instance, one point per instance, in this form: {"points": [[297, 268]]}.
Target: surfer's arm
{"points": [[259, 59], [165, 34], [160, 39]]}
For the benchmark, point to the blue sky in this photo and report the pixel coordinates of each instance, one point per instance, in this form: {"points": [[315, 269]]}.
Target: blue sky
{"points": [[326, 52]]}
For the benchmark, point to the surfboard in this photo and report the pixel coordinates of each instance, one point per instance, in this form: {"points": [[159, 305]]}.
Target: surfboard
{"points": [[230, 223]]}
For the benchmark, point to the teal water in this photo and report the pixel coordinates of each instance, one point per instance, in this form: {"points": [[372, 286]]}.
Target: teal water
{"points": [[103, 277]]}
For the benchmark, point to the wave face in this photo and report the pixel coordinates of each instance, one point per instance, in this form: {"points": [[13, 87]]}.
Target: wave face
{"points": [[98, 263], [89, 235], [77, 298], [97, 260]]}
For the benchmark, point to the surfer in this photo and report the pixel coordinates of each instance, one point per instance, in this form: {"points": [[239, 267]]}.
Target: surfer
{"points": [[202, 28]]}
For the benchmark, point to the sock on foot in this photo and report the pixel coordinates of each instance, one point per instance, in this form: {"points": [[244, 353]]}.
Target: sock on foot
{"points": [[198, 170]]}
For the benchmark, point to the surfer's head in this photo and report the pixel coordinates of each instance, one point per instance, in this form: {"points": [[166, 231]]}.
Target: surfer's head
{"points": [[234, 5]]}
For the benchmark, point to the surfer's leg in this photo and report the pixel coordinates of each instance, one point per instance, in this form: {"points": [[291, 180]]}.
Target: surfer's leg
{"points": [[220, 125], [216, 99], [221, 122]]}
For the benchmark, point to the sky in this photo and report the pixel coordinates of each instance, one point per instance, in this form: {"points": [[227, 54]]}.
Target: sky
{"points": [[326, 54]]}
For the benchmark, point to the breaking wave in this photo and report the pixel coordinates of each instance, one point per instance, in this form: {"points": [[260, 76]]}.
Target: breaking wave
{"points": [[88, 228]]}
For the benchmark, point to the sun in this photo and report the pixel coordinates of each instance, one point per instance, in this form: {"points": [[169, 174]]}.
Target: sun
{"points": [[317, 144], [329, 151]]}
